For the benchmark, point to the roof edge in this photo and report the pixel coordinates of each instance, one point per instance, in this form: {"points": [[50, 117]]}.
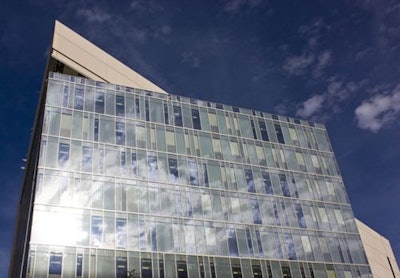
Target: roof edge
{"points": [[94, 63]]}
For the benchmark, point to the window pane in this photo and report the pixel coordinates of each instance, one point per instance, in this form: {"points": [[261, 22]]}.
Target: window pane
{"points": [[196, 119], [99, 105], [55, 263], [120, 106]]}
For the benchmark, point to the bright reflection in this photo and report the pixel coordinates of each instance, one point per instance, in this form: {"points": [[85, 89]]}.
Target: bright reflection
{"points": [[58, 228]]}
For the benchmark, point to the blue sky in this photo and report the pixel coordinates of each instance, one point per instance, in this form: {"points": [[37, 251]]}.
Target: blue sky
{"points": [[336, 62]]}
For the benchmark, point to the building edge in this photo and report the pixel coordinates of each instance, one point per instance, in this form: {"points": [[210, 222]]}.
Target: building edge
{"points": [[379, 252]]}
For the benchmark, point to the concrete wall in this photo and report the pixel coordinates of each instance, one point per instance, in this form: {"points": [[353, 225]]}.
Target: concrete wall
{"points": [[84, 57], [378, 250]]}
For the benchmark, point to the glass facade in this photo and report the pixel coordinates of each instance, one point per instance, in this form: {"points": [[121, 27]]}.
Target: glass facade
{"points": [[133, 183]]}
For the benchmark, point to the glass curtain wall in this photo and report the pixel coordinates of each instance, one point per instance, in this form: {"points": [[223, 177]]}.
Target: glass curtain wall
{"points": [[134, 183]]}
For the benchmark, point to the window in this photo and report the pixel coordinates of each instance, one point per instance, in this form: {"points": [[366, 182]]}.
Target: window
{"points": [[120, 133], [300, 161], [78, 101], [65, 96], [120, 106], [276, 214], [99, 106], [255, 210], [284, 185], [279, 133], [123, 163], [79, 265], [259, 243], [156, 111], [196, 119], [97, 230], [121, 267], [166, 119], [65, 124], [182, 269], [96, 130], [170, 139], [232, 244], [63, 153], [245, 126], [153, 167], [86, 159], [146, 268], [137, 106], [212, 118], [134, 166], [31, 261], [249, 180], [267, 182], [173, 169], [300, 216], [178, 116], [193, 173], [206, 183], [55, 263], [249, 242], [293, 135], [121, 237], [254, 129]]}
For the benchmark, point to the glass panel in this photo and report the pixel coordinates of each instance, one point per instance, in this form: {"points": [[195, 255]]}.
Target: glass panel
{"points": [[119, 106], [121, 233], [245, 127], [121, 267], [178, 116], [55, 91], [214, 175], [222, 268], [156, 111], [55, 264], [99, 104], [196, 119], [206, 145]]}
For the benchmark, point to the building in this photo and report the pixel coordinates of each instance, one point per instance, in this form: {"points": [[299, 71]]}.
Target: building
{"points": [[379, 252], [125, 180]]}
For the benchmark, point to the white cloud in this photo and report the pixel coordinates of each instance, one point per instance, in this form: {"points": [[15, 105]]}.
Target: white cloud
{"points": [[314, 59], [297, 64], [311, 106], [321, 107], [379, 111], [308, 61]]}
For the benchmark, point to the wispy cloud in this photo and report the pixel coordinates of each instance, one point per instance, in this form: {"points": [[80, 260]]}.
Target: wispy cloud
{"points": [[310, 62], [125, 29], [379, 111], [324, 59], [311, 106], [234, 6], [386, 20], [191, 59], [321, 107], [313, 59], [296, 65], [93, 15], [145, 6]]}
